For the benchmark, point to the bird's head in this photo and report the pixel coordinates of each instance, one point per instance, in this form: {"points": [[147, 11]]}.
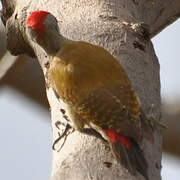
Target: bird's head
{"points": [[42, 28]]}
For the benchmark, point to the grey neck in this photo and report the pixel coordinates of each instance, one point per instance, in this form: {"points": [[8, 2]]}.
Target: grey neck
{"points": [[52, 44]]}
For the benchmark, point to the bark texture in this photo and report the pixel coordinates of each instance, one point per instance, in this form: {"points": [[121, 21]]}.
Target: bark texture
{"points": [[120, 26]]}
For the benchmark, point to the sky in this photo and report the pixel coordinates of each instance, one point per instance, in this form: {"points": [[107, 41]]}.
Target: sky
{"points": [[25, 136], [25, 131], [167, 48]]}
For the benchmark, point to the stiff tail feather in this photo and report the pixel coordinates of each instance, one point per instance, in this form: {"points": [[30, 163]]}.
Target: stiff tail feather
{"points": [[131, 158], [128, 153]]}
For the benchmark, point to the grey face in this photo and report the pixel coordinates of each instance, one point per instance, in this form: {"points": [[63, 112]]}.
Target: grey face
{"points": [[50, 39], [51, 24]]}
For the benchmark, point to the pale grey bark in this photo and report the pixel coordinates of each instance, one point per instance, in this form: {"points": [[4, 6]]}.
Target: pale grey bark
{"points": [[160, 14], [118, 26]]}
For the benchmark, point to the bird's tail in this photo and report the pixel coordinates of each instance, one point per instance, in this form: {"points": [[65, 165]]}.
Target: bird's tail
{"points": [[131, 158], [128, 153]]}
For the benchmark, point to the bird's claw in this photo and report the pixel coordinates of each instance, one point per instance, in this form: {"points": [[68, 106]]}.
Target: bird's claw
{"points": [[63, 135]]}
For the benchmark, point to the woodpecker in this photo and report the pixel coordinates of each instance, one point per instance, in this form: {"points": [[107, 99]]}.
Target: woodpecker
{"points": [[96, 90]]}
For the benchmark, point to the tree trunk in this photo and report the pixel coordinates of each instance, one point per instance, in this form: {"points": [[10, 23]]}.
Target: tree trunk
{"points": [[123, 27]]}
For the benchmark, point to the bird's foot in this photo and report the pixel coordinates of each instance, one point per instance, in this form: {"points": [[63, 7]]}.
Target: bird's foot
{"points": [[68, 130]]}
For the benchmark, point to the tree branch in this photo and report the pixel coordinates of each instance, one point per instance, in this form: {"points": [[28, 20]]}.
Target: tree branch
{"points": [[118, 26], [7, 10], [6, 63], [159, 14]]}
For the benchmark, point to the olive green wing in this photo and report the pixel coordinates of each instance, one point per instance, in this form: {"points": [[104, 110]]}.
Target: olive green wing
{"points": [[116, 107]]}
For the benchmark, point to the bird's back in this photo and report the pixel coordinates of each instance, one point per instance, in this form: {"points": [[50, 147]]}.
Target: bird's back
{"points": [[83, 66]]}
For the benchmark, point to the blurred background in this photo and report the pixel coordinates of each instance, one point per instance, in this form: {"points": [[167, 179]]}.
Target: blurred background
{"points": [[25, 131]]}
